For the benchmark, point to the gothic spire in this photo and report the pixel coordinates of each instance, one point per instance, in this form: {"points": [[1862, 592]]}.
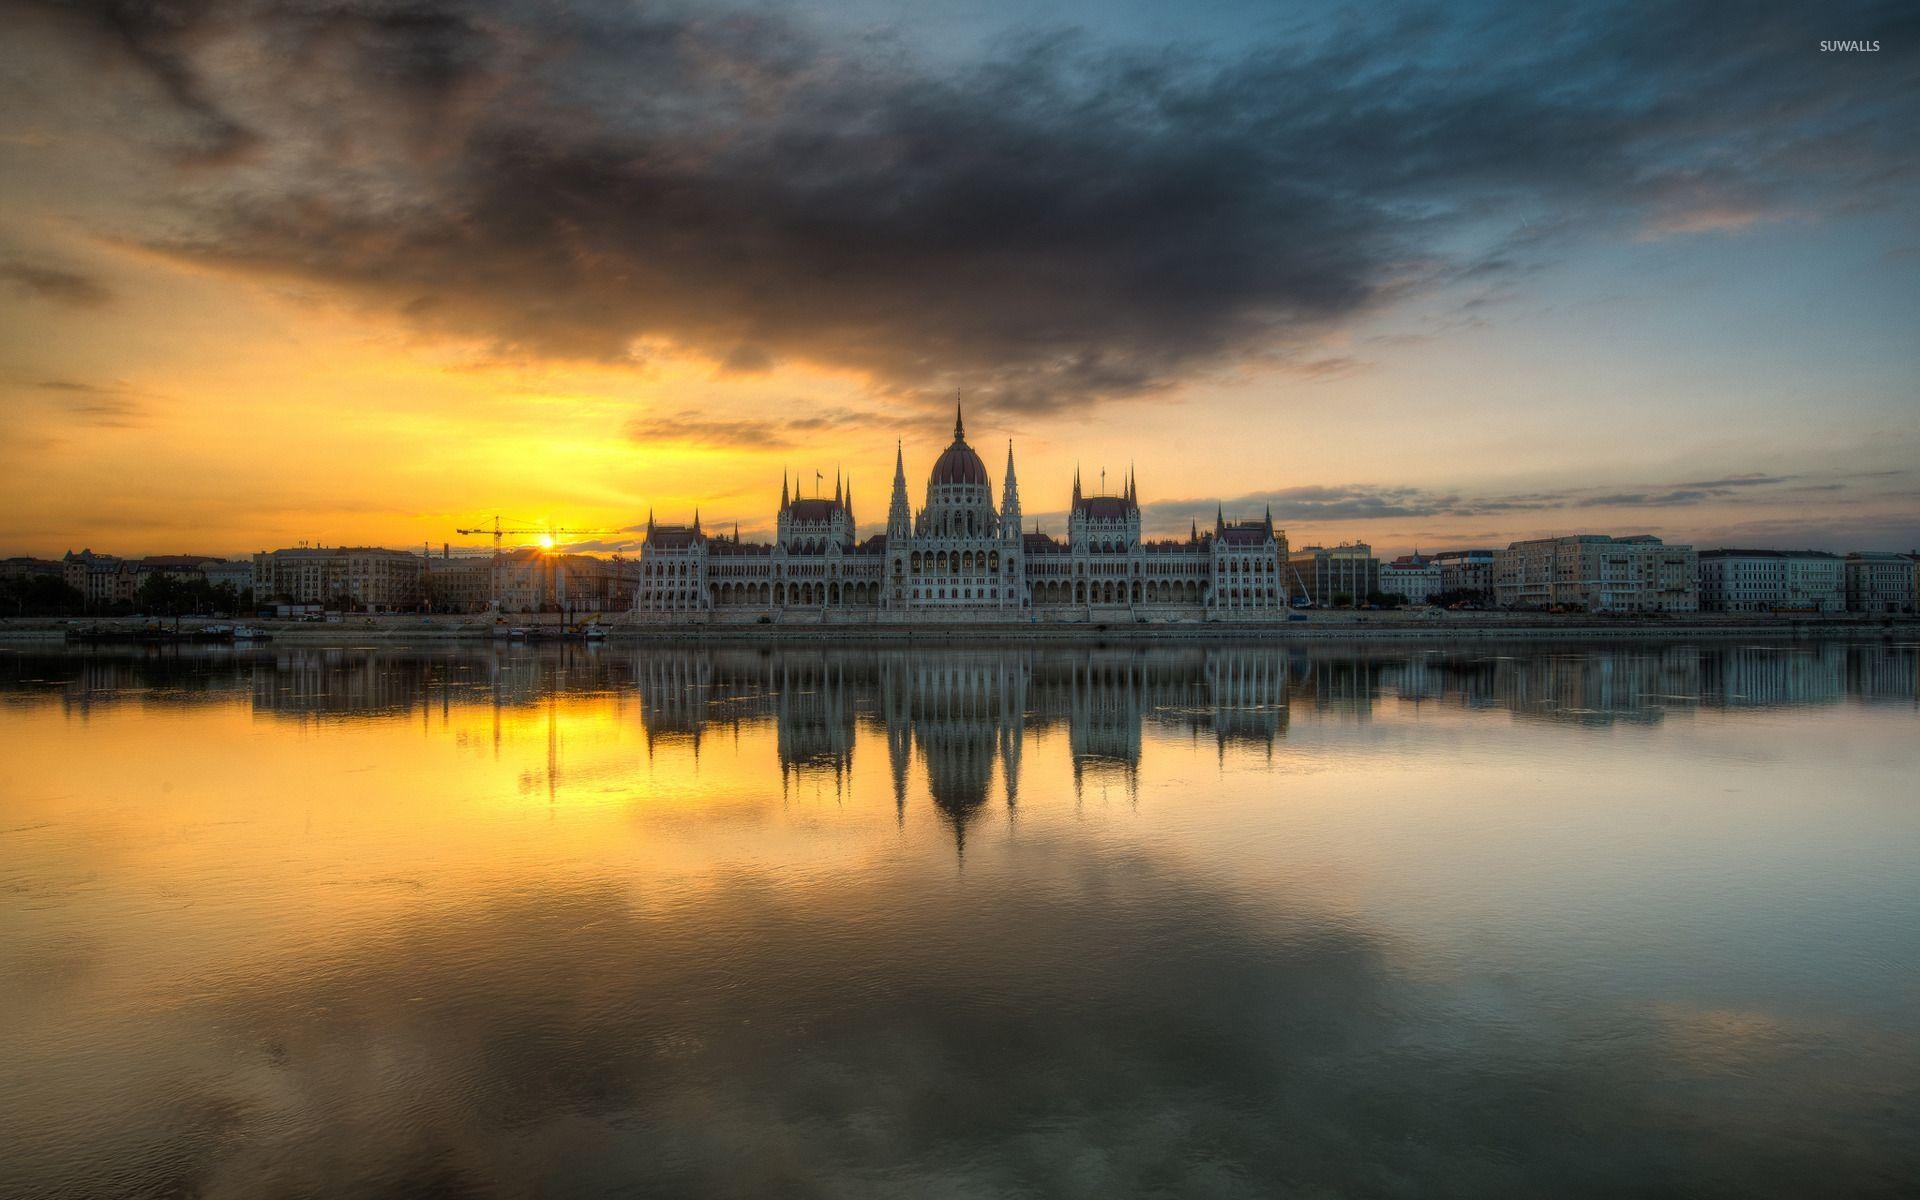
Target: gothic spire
{"points": [[1010, 499], [899, 513], [783, 489], [959, 426], [1076, 483]]}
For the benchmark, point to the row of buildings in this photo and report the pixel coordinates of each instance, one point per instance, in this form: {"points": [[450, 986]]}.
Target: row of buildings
{"points": [[960, 555], [1640, 574], [363, 578]]}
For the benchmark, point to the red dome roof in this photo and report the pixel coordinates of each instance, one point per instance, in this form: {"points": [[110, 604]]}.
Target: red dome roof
{"points": [[959, 464]]}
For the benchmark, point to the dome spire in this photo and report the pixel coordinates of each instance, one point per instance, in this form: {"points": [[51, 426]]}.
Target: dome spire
{"points": [[959, 425]]}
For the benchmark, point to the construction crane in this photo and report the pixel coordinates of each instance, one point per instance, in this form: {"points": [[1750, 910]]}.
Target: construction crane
{"points": [[497, 532]]}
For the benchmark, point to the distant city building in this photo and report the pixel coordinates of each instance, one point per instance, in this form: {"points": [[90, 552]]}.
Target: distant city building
{"points": [[235, 573], [1598, 573], [959, 554], [1327, 573], [1465, 571], [1413, 576], [1880, 582], [23, 567], [1760, 581], [100, 578], [365, 577], [533, 581], [186, 567], [458, 585]]}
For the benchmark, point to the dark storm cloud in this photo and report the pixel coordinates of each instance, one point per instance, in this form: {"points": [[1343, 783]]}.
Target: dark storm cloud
{"points": [[54, 283], [1057, 221], [694, 427]]}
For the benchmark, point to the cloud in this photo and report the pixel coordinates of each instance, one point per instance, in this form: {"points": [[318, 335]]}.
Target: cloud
{"points": [[54, 284], [689, 426], [1374, 502], [108, 407], [1051, 221]]}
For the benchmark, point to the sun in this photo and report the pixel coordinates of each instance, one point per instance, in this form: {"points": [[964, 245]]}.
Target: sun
{"points": [[546, 541]]}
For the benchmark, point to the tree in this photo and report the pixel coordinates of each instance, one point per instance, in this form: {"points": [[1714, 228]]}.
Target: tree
{"points": [[40, 596], [1343, 600]]}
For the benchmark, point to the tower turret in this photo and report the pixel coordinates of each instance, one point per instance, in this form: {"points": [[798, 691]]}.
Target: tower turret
{"points": [[1010, 501], [899, 512]]}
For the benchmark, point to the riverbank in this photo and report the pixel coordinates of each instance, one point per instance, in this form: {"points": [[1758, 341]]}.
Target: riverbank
{"points": [[1319, 626]]}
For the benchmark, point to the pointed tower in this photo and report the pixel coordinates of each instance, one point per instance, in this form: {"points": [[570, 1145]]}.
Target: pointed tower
{"points": [[1076, 485], [959, 425], [836, 485], [1219, 520], [1010, 501], [783, 489], [899, 513]]}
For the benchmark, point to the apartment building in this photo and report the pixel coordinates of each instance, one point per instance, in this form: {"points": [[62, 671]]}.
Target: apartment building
{"points": [[1598, 573], [1414, 576], [1764, 581], [1465, 571], [1327, 572], [1880, 582], [364, 577]]}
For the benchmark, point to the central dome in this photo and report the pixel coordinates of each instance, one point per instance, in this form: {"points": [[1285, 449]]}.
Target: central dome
{"points": [[958, 463]]}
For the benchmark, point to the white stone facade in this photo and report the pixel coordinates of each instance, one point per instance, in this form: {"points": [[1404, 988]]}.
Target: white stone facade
{"points": [[961, 556], [1764, 581]]}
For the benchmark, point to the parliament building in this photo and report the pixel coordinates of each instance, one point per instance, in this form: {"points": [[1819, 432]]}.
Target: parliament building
{"points": [[961, 557]]}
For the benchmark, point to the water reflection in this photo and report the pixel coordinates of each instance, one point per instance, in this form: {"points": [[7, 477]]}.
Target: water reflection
{"points": [[1218, 921]]}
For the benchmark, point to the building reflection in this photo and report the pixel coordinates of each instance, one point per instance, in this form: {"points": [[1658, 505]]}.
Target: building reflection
{"points": [[960, 721]]}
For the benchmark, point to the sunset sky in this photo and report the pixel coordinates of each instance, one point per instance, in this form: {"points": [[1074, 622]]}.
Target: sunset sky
{"points": [[350, 271]]}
